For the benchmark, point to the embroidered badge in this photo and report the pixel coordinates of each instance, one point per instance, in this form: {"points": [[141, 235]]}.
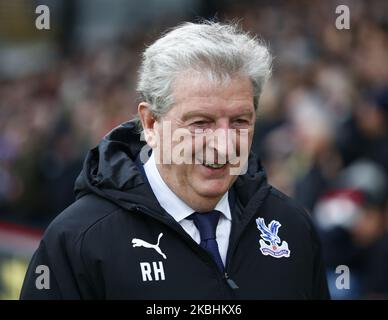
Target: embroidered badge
{"points": [[269, 244]]}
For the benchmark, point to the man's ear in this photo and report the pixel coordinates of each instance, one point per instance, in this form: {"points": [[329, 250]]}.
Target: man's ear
{"points": [[148, 121]]}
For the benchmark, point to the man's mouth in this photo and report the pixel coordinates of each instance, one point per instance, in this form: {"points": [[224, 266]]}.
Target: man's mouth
{"points": [[214, 165]]}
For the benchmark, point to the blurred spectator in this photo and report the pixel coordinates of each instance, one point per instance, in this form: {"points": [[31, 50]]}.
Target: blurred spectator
{"points": [[365, 134], [352, 219]]}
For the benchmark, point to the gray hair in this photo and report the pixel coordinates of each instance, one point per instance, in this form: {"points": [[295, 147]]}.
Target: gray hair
{"points": [[214, 49]]}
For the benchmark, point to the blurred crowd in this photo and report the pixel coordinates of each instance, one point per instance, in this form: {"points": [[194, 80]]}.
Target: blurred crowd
{"points": [[322, 130], [48, 122]]}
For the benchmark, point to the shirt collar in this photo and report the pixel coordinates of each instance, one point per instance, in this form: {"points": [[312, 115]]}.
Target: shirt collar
{"points": [[169, 201]]}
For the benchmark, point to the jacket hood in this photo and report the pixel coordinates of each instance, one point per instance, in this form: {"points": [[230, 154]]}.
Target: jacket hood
{"points": [[110, 171]]}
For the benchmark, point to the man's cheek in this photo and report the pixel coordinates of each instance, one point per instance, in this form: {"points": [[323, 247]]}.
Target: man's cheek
{"points": [[182, 148], [239, 159]]}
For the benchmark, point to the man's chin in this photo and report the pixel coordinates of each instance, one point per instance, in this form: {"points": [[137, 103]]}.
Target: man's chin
{"points": [[212, 189]]}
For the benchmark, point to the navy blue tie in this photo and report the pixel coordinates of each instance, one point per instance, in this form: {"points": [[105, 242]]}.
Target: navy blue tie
{"points": [[206, 223]]}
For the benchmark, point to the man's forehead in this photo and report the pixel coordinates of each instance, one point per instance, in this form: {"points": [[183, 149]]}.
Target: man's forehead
{"points": [[201, 84], [214, 111], [195, 94]]}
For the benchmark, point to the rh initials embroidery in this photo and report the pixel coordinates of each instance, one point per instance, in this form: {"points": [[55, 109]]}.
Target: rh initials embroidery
{"points": [[151, 271]]}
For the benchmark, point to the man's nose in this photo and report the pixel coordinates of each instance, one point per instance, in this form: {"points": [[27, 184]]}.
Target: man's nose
{"points": [[222, 143]]}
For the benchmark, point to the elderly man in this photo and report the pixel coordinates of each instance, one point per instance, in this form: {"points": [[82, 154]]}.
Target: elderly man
{"points": [[187, 214]]}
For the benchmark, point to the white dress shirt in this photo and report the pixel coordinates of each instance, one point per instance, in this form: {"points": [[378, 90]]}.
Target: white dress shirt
{"points": [[179, 210]]}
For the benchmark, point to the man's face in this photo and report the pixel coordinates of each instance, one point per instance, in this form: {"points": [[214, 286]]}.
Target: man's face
{"points": [[203, 110]]}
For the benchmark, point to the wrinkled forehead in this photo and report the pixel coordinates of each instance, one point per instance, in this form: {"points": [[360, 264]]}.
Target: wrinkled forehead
{"points": [[202, 90]]}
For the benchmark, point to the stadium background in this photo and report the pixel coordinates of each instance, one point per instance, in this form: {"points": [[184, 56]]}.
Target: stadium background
{"points": [[322, 131]]}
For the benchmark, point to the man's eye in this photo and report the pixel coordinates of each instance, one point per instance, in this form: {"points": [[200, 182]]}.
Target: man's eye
{"points": [[200, 123], [241, 121]]}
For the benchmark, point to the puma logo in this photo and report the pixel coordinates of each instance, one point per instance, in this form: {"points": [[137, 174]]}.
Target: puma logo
{"points": [[142, 243]]}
